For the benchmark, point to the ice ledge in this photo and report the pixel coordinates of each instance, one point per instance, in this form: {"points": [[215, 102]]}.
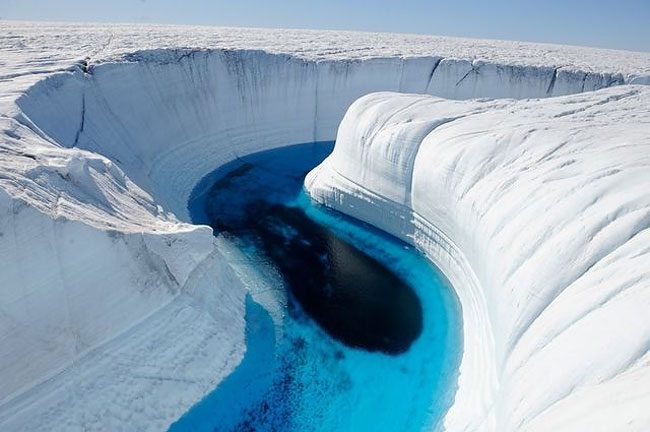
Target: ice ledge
{"points": [[538, 211], [184, 349]]}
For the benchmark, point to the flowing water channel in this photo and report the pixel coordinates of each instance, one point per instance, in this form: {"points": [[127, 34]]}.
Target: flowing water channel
{"points": [[348, 328]]}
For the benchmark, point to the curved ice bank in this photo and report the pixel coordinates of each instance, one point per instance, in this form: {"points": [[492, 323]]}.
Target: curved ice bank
{"points": [[104, 131], [158, 114], [539, 213]]}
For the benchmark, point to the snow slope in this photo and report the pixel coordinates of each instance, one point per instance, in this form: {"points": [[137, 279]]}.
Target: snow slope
{"points": [[105, 130], [539, 212]]}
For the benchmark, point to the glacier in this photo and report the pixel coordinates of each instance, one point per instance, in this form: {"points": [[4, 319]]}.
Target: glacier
{"points": [[117, 312]]}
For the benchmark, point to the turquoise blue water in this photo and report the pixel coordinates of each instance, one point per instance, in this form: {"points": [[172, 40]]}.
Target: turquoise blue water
{"points": [[300, 377]]}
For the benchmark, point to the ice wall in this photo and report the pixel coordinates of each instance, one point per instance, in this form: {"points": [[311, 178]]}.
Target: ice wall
{"points": [[168, 117], [539, 213], [99, 159], [104, 297]]}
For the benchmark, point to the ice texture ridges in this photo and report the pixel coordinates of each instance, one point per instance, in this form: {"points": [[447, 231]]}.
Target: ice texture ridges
{"points": [[538, 212], [105, 130]]}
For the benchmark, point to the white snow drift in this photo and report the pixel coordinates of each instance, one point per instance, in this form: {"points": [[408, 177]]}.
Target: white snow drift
{"points": [[115, 312]]}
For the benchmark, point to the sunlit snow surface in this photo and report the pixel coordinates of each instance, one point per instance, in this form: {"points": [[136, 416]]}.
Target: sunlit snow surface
{"points": [[297, 377], [117, 313]]}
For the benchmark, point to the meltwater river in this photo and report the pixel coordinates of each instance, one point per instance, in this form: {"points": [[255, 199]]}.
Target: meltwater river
{"points": [[348, 329]]}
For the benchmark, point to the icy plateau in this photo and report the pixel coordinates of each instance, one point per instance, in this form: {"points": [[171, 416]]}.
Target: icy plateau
{"points": [[521, 170]]}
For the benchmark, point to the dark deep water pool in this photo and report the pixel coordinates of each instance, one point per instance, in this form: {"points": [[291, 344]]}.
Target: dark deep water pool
{"points": [[347, 328]]}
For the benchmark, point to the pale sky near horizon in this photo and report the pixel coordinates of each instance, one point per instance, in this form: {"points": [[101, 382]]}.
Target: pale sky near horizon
{"points": [[622, 24]]}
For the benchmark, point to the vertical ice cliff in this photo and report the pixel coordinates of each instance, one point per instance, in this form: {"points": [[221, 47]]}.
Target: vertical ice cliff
{"points": [[87, 256], [159, 114], [108, 296], [539, 213]]}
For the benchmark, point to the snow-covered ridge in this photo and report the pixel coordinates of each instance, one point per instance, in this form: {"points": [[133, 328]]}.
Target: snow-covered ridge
{"points": [[539, 212], [105, 130]]}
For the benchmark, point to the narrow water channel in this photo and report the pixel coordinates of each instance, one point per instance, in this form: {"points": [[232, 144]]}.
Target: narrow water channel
{"points": [[348, 329]]}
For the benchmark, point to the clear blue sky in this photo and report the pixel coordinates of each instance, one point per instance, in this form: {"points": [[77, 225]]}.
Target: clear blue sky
{"points": [[623, 24]]}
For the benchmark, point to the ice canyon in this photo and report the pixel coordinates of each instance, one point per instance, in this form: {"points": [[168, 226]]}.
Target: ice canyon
{"points": [[520, 170]]}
